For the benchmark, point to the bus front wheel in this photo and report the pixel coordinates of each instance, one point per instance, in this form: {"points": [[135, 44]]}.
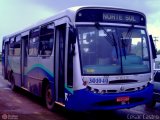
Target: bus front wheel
{"points": [[49, 98], [151, 104]]}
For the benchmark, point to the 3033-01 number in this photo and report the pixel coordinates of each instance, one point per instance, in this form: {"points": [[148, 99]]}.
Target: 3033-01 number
{"points": [[98, 81]]}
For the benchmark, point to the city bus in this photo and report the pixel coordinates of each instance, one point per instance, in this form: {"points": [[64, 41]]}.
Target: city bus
{"points": [[84, 58]]}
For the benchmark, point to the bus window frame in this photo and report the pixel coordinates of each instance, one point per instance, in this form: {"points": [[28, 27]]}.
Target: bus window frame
{"points": [[31, 37], [11, 43], [17, 39], [44, 25]]}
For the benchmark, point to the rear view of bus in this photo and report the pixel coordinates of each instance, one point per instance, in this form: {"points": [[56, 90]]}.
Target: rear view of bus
{"points": [[112, 63]]}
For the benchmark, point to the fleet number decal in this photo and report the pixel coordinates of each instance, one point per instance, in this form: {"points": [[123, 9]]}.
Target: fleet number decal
{"points": [[98, 81]]}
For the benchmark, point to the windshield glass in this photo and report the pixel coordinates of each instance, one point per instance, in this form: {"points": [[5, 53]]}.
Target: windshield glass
{"points": [[113, 50]]}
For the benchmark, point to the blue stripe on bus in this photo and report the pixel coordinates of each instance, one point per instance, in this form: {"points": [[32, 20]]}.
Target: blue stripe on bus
{"points": [[40, 66], [70, 90]]}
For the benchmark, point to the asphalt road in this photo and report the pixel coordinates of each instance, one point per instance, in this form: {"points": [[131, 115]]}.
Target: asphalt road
{"points": [[21, 105]]}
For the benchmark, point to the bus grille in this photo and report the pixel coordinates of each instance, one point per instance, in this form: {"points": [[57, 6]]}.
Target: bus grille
{"points": [[105, 91], [122, 81]]}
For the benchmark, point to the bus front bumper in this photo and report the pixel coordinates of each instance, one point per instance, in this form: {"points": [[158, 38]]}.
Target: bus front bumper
{"points": [[83, 100]]}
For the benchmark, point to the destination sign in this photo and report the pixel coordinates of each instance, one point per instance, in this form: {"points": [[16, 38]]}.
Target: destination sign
{"points": [[119, 17], [111, 16]]}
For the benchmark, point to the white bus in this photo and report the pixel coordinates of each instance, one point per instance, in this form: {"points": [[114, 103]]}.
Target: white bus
{"points": [[84, 58]]}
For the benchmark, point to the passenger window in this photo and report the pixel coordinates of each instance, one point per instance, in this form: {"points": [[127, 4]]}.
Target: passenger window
{"points": [[46, 39], [17, 46], [34, 42], [11, 47]]}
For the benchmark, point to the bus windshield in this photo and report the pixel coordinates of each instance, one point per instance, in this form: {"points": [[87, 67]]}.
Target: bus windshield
{"points": [[113, 50]]}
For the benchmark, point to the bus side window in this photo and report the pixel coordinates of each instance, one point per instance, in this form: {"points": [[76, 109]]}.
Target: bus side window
{"points": [[46, 39], [11, 46], [34, 42], [17, 46]]}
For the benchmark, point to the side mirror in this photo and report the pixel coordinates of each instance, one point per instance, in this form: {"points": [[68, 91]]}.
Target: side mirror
{"points": [[154, 51]]}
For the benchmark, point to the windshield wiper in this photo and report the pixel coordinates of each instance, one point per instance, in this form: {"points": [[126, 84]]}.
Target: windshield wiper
{"points": [[124, 47], [115, 44], [98, 26], [128, 36], [129, 32]]}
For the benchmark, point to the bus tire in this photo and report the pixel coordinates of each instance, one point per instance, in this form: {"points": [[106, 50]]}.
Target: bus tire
{"points": [[151, 104], [49, 100], [12, 81]]}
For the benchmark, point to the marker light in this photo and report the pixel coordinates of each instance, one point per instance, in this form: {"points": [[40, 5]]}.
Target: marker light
{"points": [[95, 90], [103, 91], [84, 83]]}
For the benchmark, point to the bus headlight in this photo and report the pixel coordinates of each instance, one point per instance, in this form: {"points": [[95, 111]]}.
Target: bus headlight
{"points": [[103, 91], [95, 91]]}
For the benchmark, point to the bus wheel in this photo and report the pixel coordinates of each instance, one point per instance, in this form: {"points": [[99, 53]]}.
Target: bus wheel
{"points": [[12, 81], [151, 104], [49, 98]]}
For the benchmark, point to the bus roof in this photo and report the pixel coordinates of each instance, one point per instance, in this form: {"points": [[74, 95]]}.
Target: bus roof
{"points": [[69, 13]]}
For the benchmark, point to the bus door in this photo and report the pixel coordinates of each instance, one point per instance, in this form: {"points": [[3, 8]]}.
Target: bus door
{"points": [[24, 49], [6, 59], [60, 62]]}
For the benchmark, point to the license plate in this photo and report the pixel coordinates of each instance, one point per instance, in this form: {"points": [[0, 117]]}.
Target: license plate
{"points": [[123, 99]]}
